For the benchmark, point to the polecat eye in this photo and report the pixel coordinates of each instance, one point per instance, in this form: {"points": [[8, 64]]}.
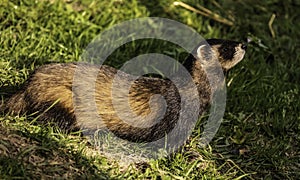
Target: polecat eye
{"points": [[225, 49]]}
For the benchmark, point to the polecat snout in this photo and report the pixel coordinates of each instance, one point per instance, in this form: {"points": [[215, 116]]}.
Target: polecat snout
{"points": [[52, 86]]}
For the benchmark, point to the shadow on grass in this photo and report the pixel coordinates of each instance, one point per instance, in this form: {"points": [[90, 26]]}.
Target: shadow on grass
{"points": [[40, 156]]}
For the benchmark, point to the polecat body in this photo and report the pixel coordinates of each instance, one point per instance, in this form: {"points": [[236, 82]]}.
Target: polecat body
{"points": [[51, 92]]}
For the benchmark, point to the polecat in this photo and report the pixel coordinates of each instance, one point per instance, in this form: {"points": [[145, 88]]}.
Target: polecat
{"points": [[50, 92]]}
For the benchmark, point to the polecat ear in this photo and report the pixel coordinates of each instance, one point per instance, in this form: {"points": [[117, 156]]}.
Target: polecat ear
{"points": [[204, 53]]}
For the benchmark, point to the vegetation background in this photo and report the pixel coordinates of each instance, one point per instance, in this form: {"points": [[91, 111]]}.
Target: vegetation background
{"points": [[259, 137]]}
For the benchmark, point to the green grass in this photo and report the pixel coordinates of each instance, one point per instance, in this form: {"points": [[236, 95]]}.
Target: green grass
{"points": [[259, 137]]}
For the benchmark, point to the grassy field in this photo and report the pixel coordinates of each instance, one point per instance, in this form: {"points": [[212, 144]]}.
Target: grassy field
{"points": [[260, 134]]}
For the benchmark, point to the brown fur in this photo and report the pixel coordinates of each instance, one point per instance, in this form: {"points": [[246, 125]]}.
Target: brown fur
{"points": [[52, 86]]}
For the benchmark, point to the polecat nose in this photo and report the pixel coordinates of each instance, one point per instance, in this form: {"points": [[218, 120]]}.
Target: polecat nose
{"points": [[244, 46]]}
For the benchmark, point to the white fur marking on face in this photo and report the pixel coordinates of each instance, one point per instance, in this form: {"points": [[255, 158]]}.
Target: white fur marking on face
{"points": [[239, 53]]}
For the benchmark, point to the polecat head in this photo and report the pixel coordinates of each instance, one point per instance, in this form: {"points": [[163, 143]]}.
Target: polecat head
{"points": [[228, 53]]}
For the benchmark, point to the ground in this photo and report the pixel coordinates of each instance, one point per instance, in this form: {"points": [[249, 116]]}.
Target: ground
{"points": [[258, 138]]}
